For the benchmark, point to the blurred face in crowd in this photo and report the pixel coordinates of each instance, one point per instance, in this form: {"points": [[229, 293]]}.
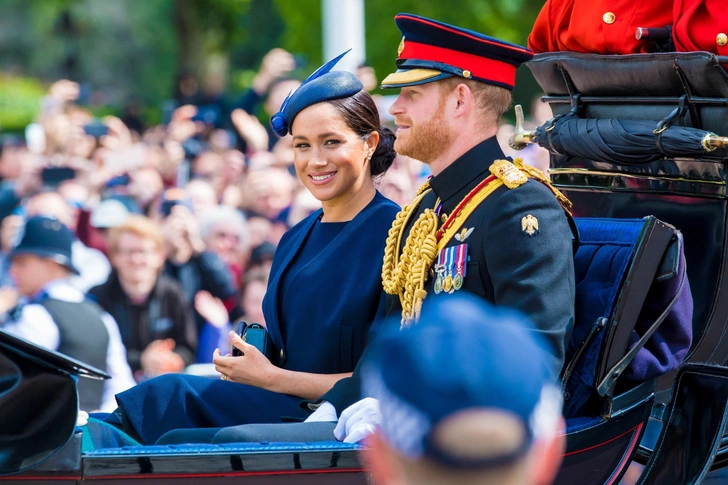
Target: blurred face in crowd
{"points": [[422, 131], [136, 258], [12, 159], [225, 241], [278, 93], [52, 204], [209, 167], [330, 158], [202, 195], [268, 191], [30, 273], [259, 229], [146, 185], [252, 301]]}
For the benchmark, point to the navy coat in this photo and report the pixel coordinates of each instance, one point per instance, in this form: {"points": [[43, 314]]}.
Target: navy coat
{"points": [[344, 284]]}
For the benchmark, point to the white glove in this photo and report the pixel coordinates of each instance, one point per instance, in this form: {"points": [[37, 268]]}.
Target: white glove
{"points": [[82, 418], [358, 421], [325, 412]]}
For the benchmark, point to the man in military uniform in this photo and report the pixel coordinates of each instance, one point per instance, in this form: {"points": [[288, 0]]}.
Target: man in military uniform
{"points": [[54, 314], [482, 224]]}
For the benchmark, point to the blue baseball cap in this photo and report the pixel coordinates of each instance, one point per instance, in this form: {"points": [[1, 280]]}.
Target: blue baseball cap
{"points": [[322, 85], [464, 357], [48, 238], [432, 50]]}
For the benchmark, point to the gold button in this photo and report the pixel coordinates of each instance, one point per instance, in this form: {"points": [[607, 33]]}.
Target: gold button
{"points": [[444, 218], [721, 39], [467, 74], [281, 354], [609, 18]]}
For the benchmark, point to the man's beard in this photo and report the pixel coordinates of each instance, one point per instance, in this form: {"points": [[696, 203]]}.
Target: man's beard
{"points": [[427, 141]]}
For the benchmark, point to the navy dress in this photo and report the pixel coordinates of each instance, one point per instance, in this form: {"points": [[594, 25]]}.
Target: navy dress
{"points": [[324, 293]]}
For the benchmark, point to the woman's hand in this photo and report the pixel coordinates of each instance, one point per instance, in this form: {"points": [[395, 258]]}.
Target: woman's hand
{"points": [[252, 368]]}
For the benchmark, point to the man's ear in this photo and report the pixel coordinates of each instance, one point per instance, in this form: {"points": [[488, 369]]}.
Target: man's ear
{"points": [[547, 455], [463, 99], [378, 458]]}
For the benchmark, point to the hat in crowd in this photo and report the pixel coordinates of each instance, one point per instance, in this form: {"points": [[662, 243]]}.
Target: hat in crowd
{"points": [[263, 252], [109, 213], [47, 238], [463, 357], [432, 50], [322, 85]]}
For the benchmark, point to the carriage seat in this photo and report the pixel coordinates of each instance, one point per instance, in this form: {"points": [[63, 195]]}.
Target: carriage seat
{"points": [[633, 311]]}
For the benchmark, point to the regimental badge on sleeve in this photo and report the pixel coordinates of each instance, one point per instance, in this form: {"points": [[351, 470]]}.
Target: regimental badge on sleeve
{"points": [[529, 225]]}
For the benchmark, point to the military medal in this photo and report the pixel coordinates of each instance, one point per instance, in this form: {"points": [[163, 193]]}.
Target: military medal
{"points": [[461, 258], [447, 284], [438, 280], [450, 272]]}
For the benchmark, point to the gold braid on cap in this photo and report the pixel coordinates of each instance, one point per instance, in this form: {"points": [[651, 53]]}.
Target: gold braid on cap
{"points": [[405, 275]]}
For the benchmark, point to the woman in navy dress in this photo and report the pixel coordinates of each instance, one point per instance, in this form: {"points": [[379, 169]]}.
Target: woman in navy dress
{"points": [[325, 285]]}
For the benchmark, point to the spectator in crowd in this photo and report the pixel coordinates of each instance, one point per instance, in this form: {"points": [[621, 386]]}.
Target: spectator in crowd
{"points": [[145, 186], [224, 233], [107, 214], [497, 416], [188, 261], [261, 257], [92, 265], [55, 314], [268, 191], [208, 166], [154, 317], [259, 228], [202, 196], [270, 87], [252, 294], [217, 326]]}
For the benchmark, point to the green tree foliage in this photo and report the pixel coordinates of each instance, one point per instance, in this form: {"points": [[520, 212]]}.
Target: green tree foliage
{"points": [[133, 49]]}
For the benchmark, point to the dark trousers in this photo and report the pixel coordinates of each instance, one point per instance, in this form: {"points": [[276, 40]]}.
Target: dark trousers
{"points": [[175, 401]]}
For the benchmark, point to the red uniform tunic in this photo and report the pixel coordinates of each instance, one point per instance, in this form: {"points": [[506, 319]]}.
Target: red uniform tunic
{"points": [[599, 26], [701, 25]]}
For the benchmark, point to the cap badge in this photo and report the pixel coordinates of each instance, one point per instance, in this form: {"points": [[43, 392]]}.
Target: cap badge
{"points": [[529, 225], [401, 47]]}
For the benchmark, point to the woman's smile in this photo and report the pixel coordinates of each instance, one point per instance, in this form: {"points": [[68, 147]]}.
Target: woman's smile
{"points": [[322, 178]]}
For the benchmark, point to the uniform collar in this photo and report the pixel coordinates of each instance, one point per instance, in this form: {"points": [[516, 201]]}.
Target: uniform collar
{"points": [[471, 166]]}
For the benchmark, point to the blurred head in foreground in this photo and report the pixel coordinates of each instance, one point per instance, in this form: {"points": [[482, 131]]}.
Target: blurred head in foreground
{"points": [[466, 397]]}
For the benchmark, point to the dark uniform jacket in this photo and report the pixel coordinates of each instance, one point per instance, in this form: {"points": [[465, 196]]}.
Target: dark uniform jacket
{"points": [[533, 273], [165, 314]]}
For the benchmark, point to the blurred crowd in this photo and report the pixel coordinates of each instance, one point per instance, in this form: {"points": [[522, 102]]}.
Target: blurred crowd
{"points": [[175, 224]]}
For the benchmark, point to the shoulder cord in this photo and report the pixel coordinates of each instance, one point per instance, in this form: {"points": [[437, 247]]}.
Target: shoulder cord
{"points": [[405, 274]]}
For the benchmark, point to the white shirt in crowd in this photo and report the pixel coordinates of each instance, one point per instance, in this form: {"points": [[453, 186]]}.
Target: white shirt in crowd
{"points": [[36, 325]]}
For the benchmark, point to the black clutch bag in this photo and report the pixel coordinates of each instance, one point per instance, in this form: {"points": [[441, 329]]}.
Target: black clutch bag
{"points": [[256, 335]]}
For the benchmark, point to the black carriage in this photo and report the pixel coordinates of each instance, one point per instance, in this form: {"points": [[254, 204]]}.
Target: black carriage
{"points": [[636, 222]]}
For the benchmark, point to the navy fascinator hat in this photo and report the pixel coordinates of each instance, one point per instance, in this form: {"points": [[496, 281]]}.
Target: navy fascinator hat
{"points": [[322, 85]]}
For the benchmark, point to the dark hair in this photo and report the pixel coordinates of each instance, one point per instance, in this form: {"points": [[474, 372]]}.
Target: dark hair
{"points": [[361, 115]]}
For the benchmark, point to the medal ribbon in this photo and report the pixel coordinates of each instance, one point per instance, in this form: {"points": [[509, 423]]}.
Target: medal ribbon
{"points": [[462, 256]]}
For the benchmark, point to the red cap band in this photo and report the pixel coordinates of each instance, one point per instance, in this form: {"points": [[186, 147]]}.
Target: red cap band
{"points": [[480, 67]]}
